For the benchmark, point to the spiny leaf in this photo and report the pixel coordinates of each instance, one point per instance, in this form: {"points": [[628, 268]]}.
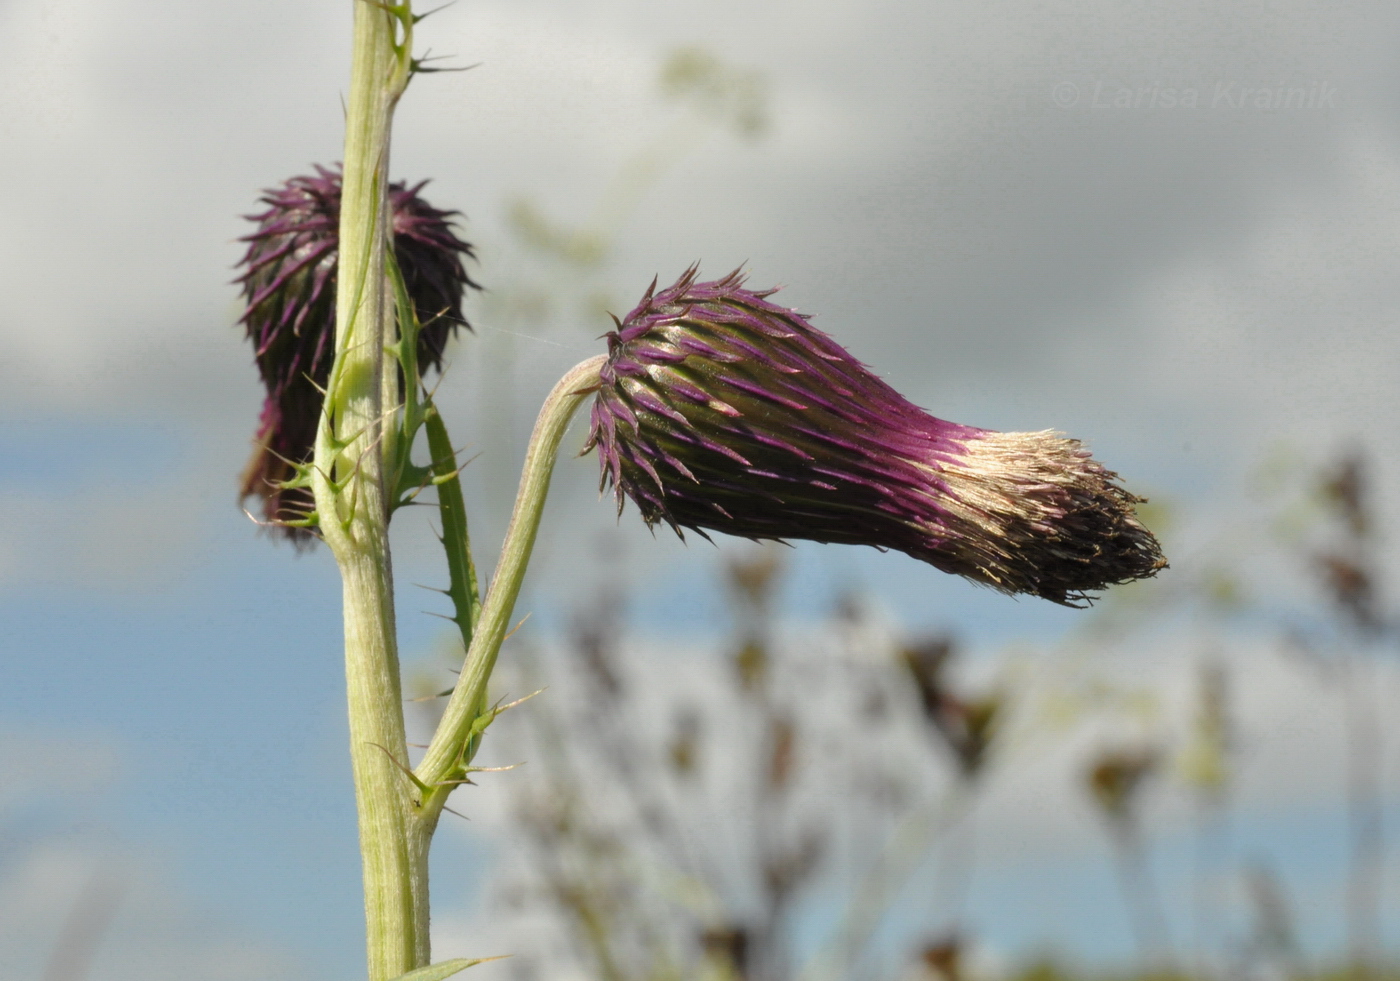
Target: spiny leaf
{"points": [[445, 969]]}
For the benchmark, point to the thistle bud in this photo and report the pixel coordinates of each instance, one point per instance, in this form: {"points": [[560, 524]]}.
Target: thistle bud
{"points": [[719, 410], [289, 286]]}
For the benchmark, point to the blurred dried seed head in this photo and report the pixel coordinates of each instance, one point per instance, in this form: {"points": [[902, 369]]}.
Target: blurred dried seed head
{"points": [[1352, 587], [782, 754], [728, 945], [1116, 777], [785, 872], [596, 634], [1348, 567], [942, 960], [754, 578], [965, 725], [751, 663], [684, 750], [1345, 490]]}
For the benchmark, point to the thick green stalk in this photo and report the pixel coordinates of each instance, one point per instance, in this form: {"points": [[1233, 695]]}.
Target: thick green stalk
{"points": [[351, 501], [448, 754]]}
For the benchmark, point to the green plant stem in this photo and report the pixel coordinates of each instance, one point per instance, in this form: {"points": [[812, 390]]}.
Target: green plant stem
{"points": [[348, 480], [446, 756], [456, 542]]}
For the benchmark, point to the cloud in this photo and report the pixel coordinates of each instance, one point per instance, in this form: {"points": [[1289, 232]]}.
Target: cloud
{"points": [[919, 190]]}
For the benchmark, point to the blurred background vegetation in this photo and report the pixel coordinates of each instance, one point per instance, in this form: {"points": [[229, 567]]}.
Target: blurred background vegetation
{"points": [[803, 802]]}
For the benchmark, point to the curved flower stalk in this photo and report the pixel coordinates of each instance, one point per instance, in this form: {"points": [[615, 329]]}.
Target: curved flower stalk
{"points": [[722, 411], [290, 290]]}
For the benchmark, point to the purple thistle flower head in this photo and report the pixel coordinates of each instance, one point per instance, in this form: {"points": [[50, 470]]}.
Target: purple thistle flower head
{"points": [[289, 286], [719, 410]]}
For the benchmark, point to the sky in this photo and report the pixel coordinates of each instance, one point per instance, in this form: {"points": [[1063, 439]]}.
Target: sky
{"points": [[1167, 230]]}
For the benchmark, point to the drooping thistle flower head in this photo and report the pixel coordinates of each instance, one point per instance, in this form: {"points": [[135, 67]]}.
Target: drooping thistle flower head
{"points": [[289, 285], [719, 410]]}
